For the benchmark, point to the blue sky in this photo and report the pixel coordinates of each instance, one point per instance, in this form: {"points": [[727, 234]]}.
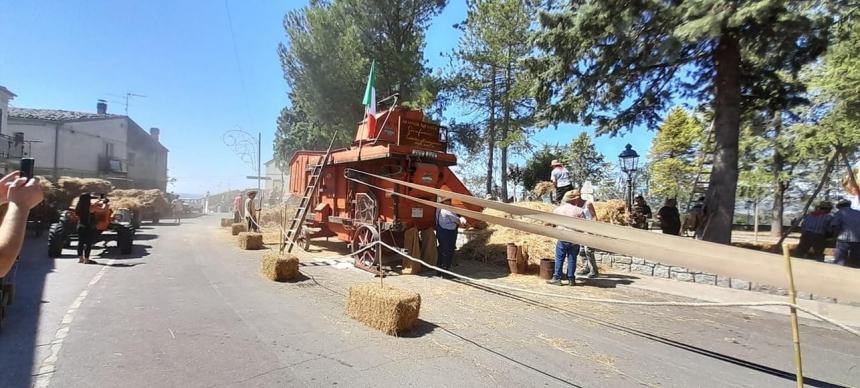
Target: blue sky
{"points": [[180, 55]]}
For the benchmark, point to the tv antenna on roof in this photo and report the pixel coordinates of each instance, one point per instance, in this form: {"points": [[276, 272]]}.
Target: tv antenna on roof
{"points": [[127, 96]]}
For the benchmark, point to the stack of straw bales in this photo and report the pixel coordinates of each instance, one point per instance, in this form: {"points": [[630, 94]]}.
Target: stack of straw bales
{"points": [[391, 310], [137, 199], [279, 268], [238, 227], [250, 241]]}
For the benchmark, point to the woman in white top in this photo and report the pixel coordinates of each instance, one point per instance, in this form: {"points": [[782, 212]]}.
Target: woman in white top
{"points": [[560, 179]]}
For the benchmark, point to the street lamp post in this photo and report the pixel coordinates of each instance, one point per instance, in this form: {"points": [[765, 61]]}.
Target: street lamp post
{"points": [[628, 160], [248, 148]]}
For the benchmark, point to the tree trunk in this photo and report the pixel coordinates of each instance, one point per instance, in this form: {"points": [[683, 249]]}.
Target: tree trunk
{"points": [[720, 201], [491, 130], [779, 186], [506, 129]]}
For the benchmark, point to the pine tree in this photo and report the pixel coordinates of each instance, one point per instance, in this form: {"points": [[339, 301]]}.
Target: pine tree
{"points": [[584, 161], [329, 48], [673, 155], [618, 64], [491, 79]]}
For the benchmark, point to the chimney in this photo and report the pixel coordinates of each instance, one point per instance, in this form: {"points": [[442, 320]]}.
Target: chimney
{"points": [[101, 107], [154, 132]]}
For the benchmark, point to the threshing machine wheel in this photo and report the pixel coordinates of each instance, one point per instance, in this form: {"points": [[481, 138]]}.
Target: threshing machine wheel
{"points": [[366, 236]]}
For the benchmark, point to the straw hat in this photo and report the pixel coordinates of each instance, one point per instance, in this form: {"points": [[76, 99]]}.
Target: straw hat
{"points": [[571, 195], [555, 162]]}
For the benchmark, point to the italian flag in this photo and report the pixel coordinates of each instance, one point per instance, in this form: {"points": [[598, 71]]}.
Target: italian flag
{"points": [[370, 100]]}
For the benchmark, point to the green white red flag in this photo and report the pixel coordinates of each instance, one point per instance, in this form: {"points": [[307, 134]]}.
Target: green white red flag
{"points": [[370, 100]]}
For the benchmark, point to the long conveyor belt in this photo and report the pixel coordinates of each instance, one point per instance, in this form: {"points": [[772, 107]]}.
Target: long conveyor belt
{"points": [[759, 267]]}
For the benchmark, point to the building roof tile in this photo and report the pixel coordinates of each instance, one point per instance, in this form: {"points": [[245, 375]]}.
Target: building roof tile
{"points": [[56, 114]]}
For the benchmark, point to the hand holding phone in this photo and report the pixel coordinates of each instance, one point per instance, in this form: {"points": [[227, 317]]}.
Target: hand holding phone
{"points": [[27, 167]]}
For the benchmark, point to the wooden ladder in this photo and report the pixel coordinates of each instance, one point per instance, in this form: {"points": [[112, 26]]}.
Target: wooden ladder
{"points": [[703, 168], [298, 219]]}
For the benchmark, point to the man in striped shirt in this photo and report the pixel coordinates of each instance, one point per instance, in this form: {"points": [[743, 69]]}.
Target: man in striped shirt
{"points": [[815, 231]]}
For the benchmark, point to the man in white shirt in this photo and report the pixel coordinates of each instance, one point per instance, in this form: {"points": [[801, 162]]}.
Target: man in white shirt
{"points": [[447, 223], [251, 212], [572, 206], [560, 179]]}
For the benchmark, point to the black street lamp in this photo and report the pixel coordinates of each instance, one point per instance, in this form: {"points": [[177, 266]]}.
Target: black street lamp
{"points": [[628, 159]]}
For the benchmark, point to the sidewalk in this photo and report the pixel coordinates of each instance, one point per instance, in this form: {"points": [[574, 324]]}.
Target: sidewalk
{"points": [[846, 314]]}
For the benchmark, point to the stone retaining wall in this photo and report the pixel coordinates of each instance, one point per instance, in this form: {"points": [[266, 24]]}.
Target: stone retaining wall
{"points": [[639, 266]]}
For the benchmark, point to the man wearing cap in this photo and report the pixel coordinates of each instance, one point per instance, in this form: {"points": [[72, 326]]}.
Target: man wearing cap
{"points": [[251, 212], [572, 206], [816, 228], [447, 223], [846, 226], [560, 179]]}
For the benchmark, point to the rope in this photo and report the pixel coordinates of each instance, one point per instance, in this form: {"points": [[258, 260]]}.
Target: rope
{"points": [[622, 302]]}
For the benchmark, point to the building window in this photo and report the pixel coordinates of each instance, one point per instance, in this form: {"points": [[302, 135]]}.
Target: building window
{"points": [[109, 150], [131, 158]]}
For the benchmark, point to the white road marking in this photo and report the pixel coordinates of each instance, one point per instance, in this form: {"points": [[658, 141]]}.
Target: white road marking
{"points": [[48, 366]]}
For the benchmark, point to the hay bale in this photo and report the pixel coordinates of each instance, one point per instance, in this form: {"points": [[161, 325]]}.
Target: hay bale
{"points": [[279, 268], [226, 222], [613, 211], [137, 199], [250, 241], [543, 188], [391, 310], [238, 227], [76, 186]]}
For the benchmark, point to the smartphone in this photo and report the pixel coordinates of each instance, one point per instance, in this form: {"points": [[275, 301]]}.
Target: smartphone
{"points": [[27, 165]]}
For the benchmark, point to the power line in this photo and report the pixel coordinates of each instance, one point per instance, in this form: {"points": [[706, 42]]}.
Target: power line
{"points": [[238, 61]]}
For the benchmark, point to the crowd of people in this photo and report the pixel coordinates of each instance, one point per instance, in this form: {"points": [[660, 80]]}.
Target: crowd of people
{"points": [[821, 225]]}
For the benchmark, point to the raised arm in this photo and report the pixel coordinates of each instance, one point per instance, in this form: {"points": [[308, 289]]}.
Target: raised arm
{"points": [[22, 196]]}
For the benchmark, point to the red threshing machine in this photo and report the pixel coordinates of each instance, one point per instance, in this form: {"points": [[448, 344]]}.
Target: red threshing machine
{"points": [[402, 146]]}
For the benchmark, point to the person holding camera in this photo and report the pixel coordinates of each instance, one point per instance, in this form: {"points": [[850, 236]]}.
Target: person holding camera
{"points": [[20, 194]]}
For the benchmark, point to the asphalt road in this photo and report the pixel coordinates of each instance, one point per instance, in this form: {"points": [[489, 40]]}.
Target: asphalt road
{"points": [[188, 309]]}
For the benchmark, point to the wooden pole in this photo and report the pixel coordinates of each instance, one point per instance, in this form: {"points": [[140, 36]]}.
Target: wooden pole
{"points": [[795, 331], [824, 178], [755, 221]]}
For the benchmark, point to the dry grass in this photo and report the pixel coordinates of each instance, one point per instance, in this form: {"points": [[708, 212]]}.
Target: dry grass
{"points": [[543, 188], [238, 227], [279, 268], [77, 186], [490, 244], [250, 241], [391, 310]]}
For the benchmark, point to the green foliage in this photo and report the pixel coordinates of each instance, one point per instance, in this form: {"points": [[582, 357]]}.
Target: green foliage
{"points": [[617, 64], [327, 56], [490, 81], [537, 168], [585, 163], [673, 155]]}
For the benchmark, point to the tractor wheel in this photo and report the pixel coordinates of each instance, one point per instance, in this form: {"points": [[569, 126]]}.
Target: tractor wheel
{"points": [[56, 239], [124, 240]]}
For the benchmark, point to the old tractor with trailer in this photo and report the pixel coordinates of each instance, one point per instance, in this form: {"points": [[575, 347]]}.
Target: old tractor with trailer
{"points": [[111, 225], [402, 145]]}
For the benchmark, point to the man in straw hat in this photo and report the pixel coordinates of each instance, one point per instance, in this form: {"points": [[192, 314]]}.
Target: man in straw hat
{"points": [[560, 179], [447, 223], [816, 228], [251, 211], [572, 206]]}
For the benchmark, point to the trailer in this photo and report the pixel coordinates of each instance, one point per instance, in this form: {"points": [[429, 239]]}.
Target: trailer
{"points": [[403, 146]]}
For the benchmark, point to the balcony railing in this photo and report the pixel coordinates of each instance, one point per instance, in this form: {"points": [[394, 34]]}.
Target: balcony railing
{"points": [[14, 147]]}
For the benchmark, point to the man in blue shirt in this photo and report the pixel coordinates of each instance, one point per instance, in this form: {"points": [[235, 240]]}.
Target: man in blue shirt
{"points": [[846, 226], [814, 232], [447, 223]]}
